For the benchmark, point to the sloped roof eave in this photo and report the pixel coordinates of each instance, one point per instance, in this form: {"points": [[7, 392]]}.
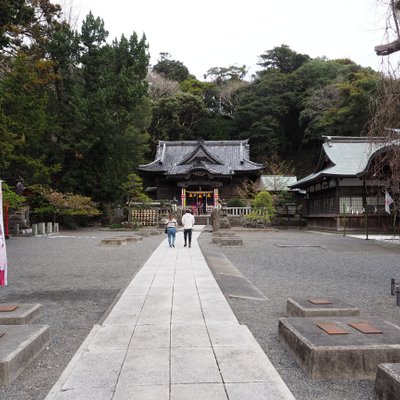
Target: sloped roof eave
{"points": [[152, 167], [314, 178]]}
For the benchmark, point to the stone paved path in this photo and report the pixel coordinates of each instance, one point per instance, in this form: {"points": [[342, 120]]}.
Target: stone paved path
{"points": [[171, 336]]}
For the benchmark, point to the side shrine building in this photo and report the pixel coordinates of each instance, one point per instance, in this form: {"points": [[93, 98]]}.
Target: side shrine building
{"points": [[345, 192], [199, 173]]}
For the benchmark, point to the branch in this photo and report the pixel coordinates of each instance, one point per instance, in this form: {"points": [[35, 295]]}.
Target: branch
{"points": [[392, 47], [388, 48]]}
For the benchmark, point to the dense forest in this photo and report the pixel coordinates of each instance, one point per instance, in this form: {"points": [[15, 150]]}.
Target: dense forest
{"points": [[79, 112]]}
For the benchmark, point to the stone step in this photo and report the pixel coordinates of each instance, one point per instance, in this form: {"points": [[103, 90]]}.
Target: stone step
{"points": [[387, 383], [232, 241], [353, 355], [121, 241], [202, 219], [302, 307], [19, 346], [23, 314]]}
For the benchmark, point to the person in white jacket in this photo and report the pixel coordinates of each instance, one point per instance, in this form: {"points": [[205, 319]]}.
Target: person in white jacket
{"points": [[188, 222]]}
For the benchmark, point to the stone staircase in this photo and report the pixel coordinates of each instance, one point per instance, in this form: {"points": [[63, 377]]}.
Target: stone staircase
{"points": [[202, 219]]}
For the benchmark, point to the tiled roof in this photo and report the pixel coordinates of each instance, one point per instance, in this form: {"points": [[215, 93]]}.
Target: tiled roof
{"points": [[216, 157], [342, 157]]}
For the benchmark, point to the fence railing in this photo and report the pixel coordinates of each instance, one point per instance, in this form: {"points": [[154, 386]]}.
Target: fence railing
{"points": [[238, 211]]}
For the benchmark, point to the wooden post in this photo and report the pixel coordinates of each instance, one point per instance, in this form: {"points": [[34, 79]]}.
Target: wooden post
{"points": [[183, 197], [6, 231], [216, 196], [365, 209]]}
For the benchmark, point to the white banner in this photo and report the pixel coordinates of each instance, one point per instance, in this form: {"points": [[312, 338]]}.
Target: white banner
{"points": [[3, 252], [388, 202]]}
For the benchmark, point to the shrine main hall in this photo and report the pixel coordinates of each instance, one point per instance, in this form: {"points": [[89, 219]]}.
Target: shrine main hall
{"points": [[199, 173]]}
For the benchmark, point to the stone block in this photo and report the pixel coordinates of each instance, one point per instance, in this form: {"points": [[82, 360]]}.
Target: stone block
{"points": [[49, 228], [216, 240], [113, 242], [354, 355], [231, 241], [224, 233], [121, 241], [387, 383], [153, 232], [56, 227], [19, 346], [24, 314], [302, 307], [41, 228], [133, 239], [34, 229]]}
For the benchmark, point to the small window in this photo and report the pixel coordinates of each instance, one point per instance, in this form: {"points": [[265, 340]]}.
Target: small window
{"points": [[351, 205], [375, 204]]}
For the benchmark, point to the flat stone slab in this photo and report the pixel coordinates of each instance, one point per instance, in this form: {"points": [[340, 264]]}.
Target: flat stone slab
{"points": [[19, 346], [231, 281], [151, 233], [121, 241], [217, 237], [387, 383], [351, 355], [23, 314], [309, 307], [231, 241], [238, 286]]}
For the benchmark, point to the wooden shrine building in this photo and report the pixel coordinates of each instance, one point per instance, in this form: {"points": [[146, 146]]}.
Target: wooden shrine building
{"points": [[343, 192], [199, 173]]}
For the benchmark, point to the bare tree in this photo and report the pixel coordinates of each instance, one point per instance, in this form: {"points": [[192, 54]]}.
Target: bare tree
{"points": [[71, 12], [392, 29], [160, 86], [384, 132], [230, 93]]}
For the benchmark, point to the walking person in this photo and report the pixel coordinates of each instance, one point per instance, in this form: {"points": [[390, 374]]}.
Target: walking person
{"points": [[188, 222], [171, 229]]}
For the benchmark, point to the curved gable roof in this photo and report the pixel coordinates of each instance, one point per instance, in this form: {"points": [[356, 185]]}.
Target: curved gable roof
{"points": [[216, 157], [200, 153], [342, 157]]}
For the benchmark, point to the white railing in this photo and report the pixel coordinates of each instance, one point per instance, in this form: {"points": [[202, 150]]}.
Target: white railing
{"points": [[238, 211]]}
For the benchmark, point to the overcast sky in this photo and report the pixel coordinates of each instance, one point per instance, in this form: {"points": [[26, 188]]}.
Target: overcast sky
{"points": [[209, 33]]}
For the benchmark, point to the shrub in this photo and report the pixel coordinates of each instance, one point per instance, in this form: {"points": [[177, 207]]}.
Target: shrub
{"points": [[263, 204], [235, 203], [254, 217]]}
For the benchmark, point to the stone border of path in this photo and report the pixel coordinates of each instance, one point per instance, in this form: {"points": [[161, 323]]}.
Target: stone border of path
{"points": [[171, 336]]}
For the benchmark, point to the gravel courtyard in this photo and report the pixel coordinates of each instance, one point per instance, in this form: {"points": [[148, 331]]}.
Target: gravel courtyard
{"points": [[76, 281], [354, 270]]}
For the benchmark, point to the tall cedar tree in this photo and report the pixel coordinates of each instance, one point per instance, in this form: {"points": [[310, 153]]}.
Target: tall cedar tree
{"points": [[111, 111]]}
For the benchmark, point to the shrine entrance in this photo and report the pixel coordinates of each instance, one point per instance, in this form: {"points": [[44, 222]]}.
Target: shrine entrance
{"points": [[200, 199]]}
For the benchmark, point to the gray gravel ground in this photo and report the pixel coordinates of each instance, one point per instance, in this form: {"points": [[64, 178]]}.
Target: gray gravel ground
{"points": [[357, 271], [76, 280]]}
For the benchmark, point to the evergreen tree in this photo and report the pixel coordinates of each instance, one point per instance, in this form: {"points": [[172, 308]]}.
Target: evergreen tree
{"points": [[25, 121], [111, 111]]}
